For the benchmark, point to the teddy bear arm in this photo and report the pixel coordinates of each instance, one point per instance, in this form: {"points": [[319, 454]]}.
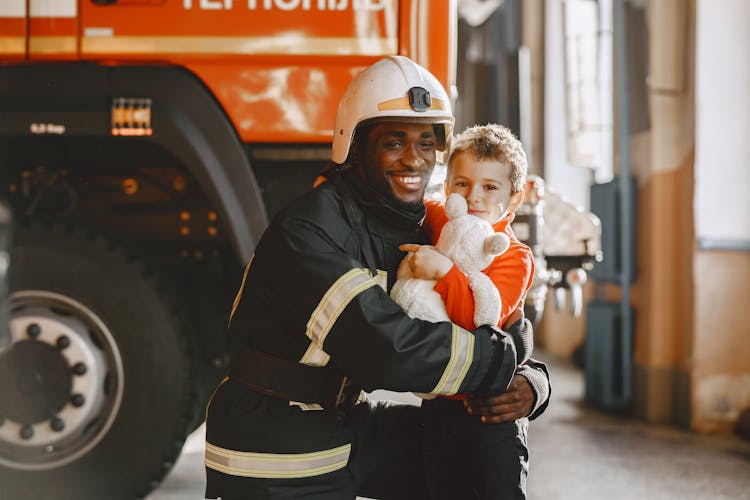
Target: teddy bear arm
{"points": [[419, 299], [487, 303]]}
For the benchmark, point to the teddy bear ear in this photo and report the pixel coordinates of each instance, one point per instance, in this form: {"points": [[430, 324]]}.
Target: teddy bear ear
{"points": [[455, 206], [496, 244]]}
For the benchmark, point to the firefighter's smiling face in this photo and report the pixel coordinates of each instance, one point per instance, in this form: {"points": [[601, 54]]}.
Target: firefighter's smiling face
{"points": [[397, 158]]}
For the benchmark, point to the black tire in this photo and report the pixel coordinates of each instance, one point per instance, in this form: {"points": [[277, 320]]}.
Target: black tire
{"points": [[59, 273]]}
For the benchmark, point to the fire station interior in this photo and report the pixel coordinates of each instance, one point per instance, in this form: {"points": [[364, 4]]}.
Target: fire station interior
{"points": [[634, 116], [672, 237]]}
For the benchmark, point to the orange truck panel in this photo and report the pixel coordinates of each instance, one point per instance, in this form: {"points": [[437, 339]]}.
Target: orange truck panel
{"points": [[277, 67]]}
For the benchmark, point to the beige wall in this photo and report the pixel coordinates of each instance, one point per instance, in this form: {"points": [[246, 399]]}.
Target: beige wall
{"points": [[663, 165], [662, 296], [720, 363], [692, 355], [721, 358]]}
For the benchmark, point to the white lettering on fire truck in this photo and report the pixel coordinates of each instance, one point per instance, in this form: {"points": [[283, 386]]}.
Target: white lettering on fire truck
{"points": [[53, 8], [373, 5], [13, 8], [47, 128]]}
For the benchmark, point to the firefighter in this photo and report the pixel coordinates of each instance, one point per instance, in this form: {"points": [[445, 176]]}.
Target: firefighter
{"points": [[312, 324]]}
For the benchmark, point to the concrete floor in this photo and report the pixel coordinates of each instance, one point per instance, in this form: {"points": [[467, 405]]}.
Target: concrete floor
{"points": [[578, 453]]}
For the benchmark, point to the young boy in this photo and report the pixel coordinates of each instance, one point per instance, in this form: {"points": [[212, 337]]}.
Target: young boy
{"points": [[463, 457]]}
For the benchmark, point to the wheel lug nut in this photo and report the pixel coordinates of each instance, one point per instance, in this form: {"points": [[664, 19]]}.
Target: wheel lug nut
{"points": [[77, 400], [79, 369], [57, 424], [33, 330], [63, 342], [27, 432]]}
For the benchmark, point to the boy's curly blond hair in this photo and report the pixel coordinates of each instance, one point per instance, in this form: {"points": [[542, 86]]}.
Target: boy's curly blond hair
{"points": [[493, 142]]}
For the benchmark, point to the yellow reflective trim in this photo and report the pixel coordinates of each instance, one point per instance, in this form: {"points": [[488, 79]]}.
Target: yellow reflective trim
{"points": [[320, 314], [336, 298], [282, 44], [329, 308], [349, 296], [402, 104], [211, 399], [462, 354], [382, 280], [53, 45], [276, 465], [12, 45], [306, 406], [239, 292], [464, 362], [315, 406], [315, 356], [439, 388]]}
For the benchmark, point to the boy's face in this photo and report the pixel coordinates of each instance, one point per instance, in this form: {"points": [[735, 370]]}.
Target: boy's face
{"points": [[485, 184], [397, 159]]}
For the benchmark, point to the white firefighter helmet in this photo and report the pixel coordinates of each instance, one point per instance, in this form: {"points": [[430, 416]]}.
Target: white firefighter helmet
{"points": [[395, 87]]}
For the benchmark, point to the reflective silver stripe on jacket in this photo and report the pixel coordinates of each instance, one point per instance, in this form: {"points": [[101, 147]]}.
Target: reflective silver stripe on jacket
{"points": [[462, 354], [334, 301], [276, 465]]}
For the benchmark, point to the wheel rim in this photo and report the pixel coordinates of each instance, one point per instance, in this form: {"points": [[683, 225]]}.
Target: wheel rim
{"points": [[64, 374]]}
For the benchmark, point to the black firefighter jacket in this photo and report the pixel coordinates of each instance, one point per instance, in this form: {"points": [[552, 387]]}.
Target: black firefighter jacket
{"points": [[308, 296]]}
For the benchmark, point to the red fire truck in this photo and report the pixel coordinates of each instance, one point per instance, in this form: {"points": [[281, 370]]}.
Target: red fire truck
{"points": [[143, 146]]}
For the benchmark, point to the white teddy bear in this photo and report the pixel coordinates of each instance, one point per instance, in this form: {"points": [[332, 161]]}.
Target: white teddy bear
{"points": [[472, 244]]}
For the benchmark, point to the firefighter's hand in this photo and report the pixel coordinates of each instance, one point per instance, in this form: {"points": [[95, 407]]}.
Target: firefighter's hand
{"points": [[425, 262], [517, 402]]}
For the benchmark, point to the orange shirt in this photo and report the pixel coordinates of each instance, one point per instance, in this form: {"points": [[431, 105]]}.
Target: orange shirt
{"points": [[511, 272]]}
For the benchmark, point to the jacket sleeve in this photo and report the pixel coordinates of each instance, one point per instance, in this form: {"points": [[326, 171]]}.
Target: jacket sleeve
{"points": [[538, 376], [311, 283]]}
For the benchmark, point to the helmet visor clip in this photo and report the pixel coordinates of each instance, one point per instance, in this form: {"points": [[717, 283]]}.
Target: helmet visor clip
{"points": [[419, 99]]}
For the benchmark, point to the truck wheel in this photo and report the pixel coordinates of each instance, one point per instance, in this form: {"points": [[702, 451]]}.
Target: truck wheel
{"points": [[97, 378]]}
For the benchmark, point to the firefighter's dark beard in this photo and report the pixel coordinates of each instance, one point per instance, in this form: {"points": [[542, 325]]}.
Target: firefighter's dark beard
{"points": [[386, 206]]}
